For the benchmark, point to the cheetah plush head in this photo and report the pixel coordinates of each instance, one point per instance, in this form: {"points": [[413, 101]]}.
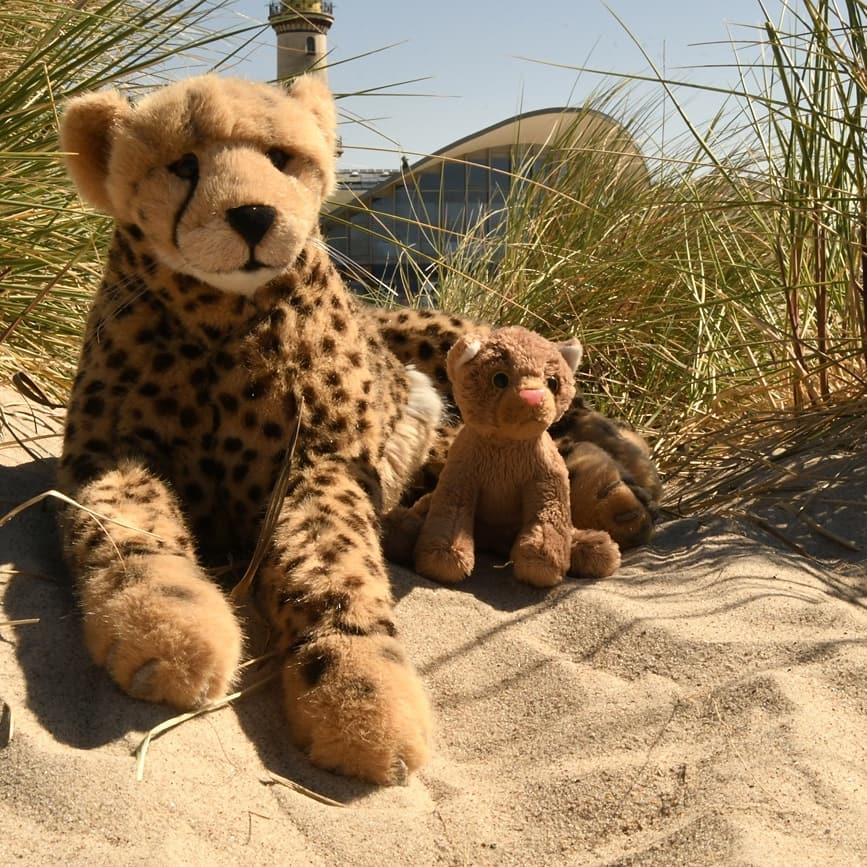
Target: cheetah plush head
{"points": [[223, 178], [512, 383]]}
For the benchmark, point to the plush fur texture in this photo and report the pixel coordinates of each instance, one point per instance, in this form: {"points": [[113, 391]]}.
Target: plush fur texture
{"points": [[504, 485]]}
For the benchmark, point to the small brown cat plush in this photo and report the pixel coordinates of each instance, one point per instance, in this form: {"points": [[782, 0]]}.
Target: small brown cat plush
{"points": [[504, 486]]}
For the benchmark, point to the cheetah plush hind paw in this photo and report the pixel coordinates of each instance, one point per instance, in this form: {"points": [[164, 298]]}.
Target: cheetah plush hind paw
{"points": [[400, 531], [358, 708]]}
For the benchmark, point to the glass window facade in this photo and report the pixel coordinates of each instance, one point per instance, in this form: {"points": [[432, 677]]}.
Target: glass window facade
{"points": [[425, 212]]}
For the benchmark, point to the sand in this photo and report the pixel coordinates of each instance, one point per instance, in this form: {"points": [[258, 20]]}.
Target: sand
{"points": [[707, 705]]}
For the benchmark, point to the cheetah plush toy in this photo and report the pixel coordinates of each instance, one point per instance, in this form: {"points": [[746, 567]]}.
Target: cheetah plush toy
{"points": [[219, 321], [504, 485]]}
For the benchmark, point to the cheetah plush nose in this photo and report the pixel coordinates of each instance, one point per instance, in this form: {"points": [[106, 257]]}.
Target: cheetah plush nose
{"points": [[533, 396], [251, 222]]}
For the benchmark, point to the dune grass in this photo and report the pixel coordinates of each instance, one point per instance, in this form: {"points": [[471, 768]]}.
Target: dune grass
{"points": [[736, 279], [726, 298]]}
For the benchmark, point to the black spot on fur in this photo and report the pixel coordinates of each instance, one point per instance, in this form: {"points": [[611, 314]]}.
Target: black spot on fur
{"points": [[94, 406], [212, 469], [189, 417], [163, 361], [96, 445], [228, 401], [193, 492], [315, 667], [224, 360], [190, 350], [166, 406]]}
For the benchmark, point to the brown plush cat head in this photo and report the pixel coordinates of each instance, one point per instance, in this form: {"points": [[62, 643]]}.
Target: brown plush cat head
{"points": [[513, 383]]}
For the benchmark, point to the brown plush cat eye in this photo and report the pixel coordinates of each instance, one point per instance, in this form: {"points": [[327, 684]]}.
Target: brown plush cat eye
{"points": [[500, 379], [553, 384]]}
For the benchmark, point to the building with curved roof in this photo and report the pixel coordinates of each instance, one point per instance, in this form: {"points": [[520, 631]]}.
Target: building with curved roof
{"points": [[421, 210]]}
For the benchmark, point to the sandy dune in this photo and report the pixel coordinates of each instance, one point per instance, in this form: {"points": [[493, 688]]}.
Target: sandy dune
{"points": [[708, 705]]}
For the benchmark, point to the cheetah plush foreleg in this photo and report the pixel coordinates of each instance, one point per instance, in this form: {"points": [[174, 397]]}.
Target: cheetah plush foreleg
{"points": [[151, 616], [353, 700]]}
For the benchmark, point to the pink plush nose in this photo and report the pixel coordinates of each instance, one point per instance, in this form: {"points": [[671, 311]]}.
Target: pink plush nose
{"points": [[533, 396]]}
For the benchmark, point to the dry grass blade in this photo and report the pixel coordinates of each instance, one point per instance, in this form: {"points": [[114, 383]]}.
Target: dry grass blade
{"points": [[7, 725], [174, 722], [273, 779], [760, 455], [25, 573], [242, 589], [27, 621], [69, 501], [814, 525]]}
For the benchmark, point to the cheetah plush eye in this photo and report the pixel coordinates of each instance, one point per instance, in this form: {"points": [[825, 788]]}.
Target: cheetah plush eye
{"points": [[500, 379], [553, 384], [187, 167], [279, 158]]}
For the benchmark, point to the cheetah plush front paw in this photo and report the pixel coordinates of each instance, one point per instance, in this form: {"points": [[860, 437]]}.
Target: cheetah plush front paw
{"points": [[168, 636], [357, 707]]}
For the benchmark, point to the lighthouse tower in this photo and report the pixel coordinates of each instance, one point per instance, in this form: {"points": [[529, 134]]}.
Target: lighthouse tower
{"points": [[302, 35]]}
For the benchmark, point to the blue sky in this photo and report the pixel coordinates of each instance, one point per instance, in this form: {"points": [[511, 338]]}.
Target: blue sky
{"points": [[471, 52]]}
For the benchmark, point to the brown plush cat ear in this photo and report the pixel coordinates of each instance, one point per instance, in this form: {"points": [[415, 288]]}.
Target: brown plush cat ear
{"points": [[466, 349], [573, 352], [86, 133]]}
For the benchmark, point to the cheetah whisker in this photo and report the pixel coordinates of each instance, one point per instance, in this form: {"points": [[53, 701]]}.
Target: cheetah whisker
{"points": [[263, 658]]}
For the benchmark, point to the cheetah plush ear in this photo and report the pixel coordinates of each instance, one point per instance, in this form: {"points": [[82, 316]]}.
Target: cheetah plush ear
{"points": [[573, 352], [86, 134], [465, 350], [315, 96]]}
